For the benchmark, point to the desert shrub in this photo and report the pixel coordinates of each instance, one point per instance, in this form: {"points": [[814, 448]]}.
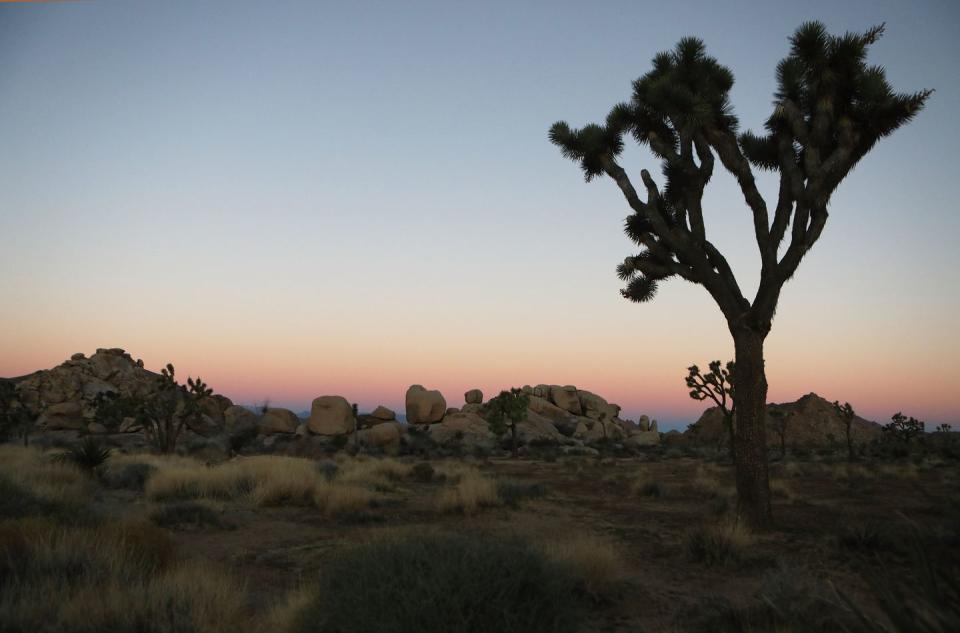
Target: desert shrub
{"points": [[865, 537], [328, 469], [449, 584], [379, 473], [187, 514], [790, 600], [341, 500], [18, 501], [129, 476], [117, 578], [717, 545], [242, 437], [513, 492], [649, 488], [471, 493], [422, 472], [930, 604], [595, 564]]}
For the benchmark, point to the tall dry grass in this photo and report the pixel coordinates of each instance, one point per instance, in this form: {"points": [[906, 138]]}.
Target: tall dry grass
{"points": [[268, 480], [115, 577], [470, 493], [54, 481]]}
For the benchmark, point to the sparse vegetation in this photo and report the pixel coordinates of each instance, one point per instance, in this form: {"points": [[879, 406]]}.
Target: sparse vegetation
{"points": [[505, 412], [716, 545]]}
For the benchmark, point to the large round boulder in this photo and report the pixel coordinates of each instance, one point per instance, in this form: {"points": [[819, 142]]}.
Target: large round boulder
{"points": [[474, 396], [547, 409], [277, 420], [331, 415], [423, 406], [386, 435], [643, 439], [536, 428], [596, 407], [566, 398], [236, 417]]}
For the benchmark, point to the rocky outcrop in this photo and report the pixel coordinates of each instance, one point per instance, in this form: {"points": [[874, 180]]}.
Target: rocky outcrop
{"points": [[331, 415], [566, 398], [595, 407], [466, 428], [808, 421], [423, 406], [386, 436], [590, 430]]}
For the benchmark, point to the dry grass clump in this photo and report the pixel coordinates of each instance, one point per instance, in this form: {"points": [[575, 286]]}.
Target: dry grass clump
{"points": [[646, 487], [378, 474], [272, 481], [706, 485], [335, 499], [718, 545], [898, 471], [57, 482], [471, 493], [595, 563], [118, 577]]}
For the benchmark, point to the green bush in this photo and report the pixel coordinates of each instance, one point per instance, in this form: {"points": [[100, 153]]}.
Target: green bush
{"points": [[448, 584]]}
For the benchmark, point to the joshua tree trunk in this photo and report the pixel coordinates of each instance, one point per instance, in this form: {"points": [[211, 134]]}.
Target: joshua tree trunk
{"points": [[513, 439], [849, 424], [750, 397], [728, 422]]}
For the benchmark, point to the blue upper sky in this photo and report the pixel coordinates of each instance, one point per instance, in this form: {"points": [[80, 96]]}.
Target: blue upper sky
{"points": [[341, 158]]}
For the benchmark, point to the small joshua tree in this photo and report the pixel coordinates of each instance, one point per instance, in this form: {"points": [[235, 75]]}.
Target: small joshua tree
{"points": [[717, 385], [944, 428], [506, 411], [164, 414], [14, 417], [846, 413], [903, 429]]}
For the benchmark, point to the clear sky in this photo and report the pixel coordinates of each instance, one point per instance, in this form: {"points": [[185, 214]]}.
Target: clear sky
{"points": [[305, 198]]}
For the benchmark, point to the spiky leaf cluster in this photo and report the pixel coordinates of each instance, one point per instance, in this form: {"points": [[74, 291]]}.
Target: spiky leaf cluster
{"points": [[829, 104], [830, 108]]}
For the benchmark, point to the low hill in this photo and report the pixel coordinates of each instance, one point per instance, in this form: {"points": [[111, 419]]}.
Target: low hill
{"points": [[810, 421]]}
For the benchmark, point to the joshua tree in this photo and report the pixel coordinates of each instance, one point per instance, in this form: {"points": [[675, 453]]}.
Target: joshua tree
{"points": [[830, 108], [507, 410], [167, 411], [902, 428], [780, 420], [717, 384], [846, 413], [943, 428]]}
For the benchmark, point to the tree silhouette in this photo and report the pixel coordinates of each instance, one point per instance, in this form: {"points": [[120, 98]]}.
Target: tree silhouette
{"points": [[170, 408], [717, 385], [903, 429], [846, 413], [506, 411], [830, 108]]}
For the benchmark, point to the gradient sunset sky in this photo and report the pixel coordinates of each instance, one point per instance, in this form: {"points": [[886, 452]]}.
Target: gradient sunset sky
{"points": [[305, 198]]}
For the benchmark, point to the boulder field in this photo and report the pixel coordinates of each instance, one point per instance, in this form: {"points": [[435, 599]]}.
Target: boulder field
{"points": [[64, 399]]}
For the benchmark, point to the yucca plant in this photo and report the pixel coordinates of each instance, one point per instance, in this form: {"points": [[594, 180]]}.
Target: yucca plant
{"points": [[89, 455], [830, 109]]}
